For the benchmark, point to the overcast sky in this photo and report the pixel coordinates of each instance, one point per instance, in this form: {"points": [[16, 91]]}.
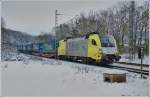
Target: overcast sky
{"points": [[35, 17]]}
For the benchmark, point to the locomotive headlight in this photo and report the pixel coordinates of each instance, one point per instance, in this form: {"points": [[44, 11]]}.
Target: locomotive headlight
{"points": [[98, 55]]}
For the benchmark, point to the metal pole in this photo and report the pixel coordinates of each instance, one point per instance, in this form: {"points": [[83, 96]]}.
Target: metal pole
{"points": [[56, 20], [141, 62], [56, 24], [55, 33]]}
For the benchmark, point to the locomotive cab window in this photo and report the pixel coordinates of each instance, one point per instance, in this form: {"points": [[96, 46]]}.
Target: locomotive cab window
{"points": [[107, 41], [93, 42]]}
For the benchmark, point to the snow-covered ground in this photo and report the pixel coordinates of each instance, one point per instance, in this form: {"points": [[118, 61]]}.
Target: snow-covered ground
{"points": [[34, 76], [125, 58], [11, 56]]}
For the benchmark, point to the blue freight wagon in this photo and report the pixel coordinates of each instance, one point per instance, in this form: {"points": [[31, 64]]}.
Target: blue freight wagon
{"points": [[49, 46], [35, 47], [45, 49], [48, 49]]}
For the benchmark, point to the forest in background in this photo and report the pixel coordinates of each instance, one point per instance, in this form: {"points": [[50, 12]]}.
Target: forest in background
{"points": [[11, 38], [127, 22]]}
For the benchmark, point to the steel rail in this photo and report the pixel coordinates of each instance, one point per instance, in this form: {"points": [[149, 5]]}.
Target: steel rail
{"points": [[135, 64]]}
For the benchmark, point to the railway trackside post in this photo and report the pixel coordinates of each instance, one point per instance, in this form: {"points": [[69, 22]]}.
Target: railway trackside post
{"points": [[140, 56]]}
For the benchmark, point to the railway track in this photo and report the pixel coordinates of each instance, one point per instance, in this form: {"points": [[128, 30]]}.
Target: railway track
{"points": [[112, 66], [135, 68], [132, 67], [144, 72], [136, 64]]}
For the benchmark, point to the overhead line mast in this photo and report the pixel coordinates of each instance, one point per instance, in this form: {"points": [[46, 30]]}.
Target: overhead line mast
{"points": [[56, 25], [131, 29]]}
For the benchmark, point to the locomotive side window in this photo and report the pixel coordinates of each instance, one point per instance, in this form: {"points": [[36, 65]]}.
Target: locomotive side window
{"points": [[93, 42]]}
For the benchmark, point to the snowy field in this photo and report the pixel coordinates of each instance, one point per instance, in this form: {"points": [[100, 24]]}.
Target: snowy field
{"points": [[32, 76], [125, 58]]}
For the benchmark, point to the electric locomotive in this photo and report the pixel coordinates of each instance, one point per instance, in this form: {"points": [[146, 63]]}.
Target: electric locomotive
{"points": [[93, 47]]}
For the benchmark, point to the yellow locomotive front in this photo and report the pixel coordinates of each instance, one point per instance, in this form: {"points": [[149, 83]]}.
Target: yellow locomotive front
{"points": [[102, 48]]}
